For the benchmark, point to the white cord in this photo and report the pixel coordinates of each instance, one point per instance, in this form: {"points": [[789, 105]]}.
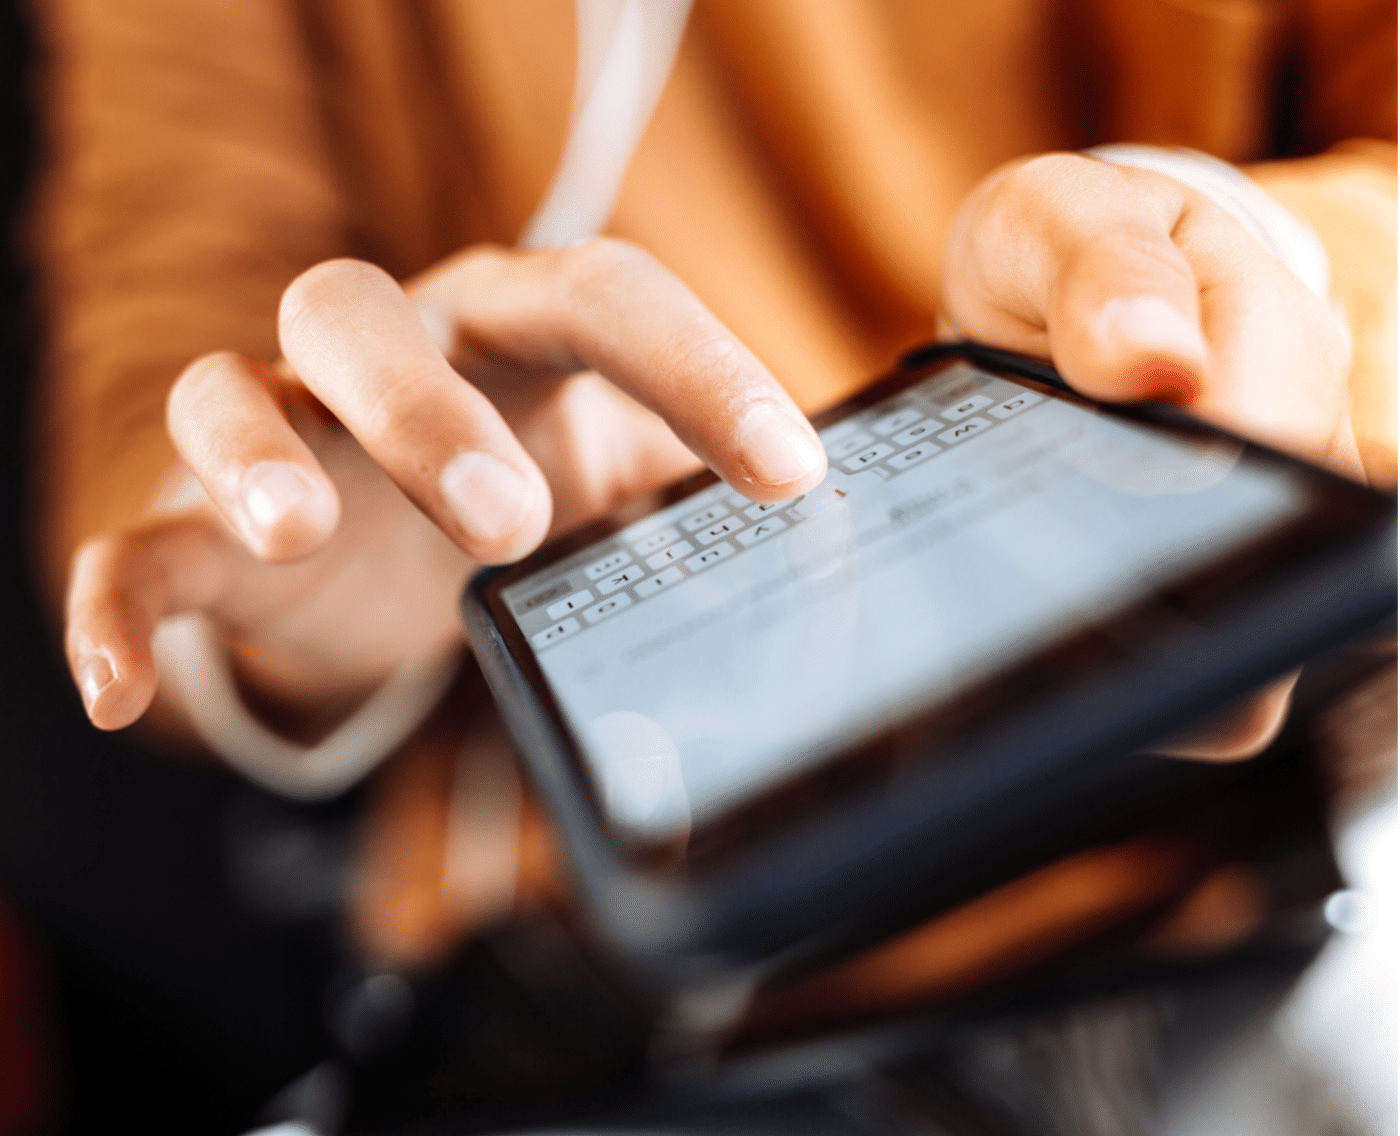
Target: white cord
{"points": [[194, 668], [626, 49]]}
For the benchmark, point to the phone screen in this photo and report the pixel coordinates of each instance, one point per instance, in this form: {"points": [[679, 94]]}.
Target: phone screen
{"points": [[718, 648]]}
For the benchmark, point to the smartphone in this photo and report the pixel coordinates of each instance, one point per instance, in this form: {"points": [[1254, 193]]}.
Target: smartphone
{"points": [[772, 732]]}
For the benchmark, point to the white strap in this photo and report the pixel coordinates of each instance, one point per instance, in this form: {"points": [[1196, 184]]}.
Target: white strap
{"points": [[194, 668], [626, 49]]}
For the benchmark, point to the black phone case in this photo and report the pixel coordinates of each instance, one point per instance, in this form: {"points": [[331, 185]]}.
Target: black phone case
{"points": [[1055, 778]]}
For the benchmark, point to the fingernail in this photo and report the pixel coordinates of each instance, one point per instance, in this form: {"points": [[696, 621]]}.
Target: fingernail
{"points": [[776, 448], [95, 674], [488, 497], [441, 330], [272, 489], [1151, 323]]}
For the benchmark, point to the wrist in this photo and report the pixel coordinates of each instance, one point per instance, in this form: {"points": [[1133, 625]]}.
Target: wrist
{"points": [[195, 671], [277, 716]]}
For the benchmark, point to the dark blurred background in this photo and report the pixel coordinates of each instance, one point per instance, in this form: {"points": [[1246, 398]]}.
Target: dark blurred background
{"points": [[159, 998]]}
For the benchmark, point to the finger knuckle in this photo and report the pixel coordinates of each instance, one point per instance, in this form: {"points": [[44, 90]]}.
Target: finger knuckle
{"points": [[392, 412], [195, 381], [601, 262], [1138, 245], [1042, 178], [98, 563], [462, 268], [1025, 199], [324, 286], [483, 254], [211, 364]]}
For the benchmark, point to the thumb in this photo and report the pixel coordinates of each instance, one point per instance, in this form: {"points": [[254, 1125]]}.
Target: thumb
{"points": [[1123, 317]]}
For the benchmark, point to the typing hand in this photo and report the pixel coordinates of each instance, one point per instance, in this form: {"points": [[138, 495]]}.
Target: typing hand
{"points": [[409, 435], [1141, 288]]}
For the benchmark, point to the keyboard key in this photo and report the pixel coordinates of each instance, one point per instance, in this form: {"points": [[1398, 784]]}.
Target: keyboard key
{"points": [[656, 583], [610, 563], [1015, 404], [551, 635], [897, 421], [848, 444], [764, 528], [723, 528], [867, 457], [913, 456], [971, 405], [654, 541], [966, 430], [629, 575], [753, 512], [823, 497], [673, 555], [717, 492], [572, 604], [840, 430], [553, 592], [914, 433], [705, 517], [610, 606], [710, 556]]}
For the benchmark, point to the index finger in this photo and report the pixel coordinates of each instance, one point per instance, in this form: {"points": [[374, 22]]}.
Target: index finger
{"points": [[358, 344], [607, 306]]}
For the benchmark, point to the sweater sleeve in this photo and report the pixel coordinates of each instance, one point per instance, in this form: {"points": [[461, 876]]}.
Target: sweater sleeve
{"points": [[186, 183]]}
